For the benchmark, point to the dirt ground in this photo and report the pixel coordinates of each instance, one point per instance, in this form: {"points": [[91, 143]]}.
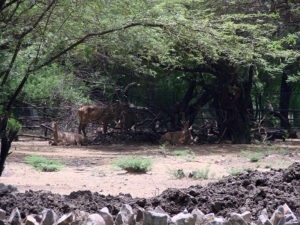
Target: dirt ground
{"points": [[92, 168]]}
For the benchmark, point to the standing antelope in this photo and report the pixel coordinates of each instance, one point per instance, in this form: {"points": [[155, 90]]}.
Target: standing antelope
{"points": [[103, 113], [178, 137]]}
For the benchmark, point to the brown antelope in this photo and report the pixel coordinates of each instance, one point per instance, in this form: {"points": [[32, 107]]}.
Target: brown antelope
{"points": [[103, 113], [178, 137], [127, 120], [66, 138]]}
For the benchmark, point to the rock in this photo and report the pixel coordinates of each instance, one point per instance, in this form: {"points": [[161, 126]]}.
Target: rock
{"points": [[108, 218], [236, 219], [289, 215], [209, 218], [263, 218], [216, 221], [199, 216], [81, 217], [6, 189], [159, 209], [155, 218], [277, 216], [184, 218], [49, 217], [15, 217], [95, 219], [31, 220], [139, 215], [246, 216], [125, 216], [105, 210], [2, 214], [293, 223], [66, 219]]}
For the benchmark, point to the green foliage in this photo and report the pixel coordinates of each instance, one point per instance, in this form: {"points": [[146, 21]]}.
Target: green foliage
{"points": [[43, 164], [200, 173], [235, 171], [253, 156], [178, 174], [134, 164], [182, 152], [13, 125], [187, 154]]}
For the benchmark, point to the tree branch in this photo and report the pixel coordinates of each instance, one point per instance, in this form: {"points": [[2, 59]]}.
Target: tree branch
{"points": [[91, 35]]}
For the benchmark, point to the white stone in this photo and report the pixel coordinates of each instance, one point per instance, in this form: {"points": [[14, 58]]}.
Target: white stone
{"points": [[154, 218], [125, 216], [2, 214], [184, 218], [237, 219], [95, 219], [66, 219], [108, 218], [199, 216], [263, 220], [15, 217], [31, 220], [246, 216], [49, 217], [277, 216]]}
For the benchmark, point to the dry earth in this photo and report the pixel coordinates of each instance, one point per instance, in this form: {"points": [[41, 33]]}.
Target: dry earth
{"points": [[91, 167]]}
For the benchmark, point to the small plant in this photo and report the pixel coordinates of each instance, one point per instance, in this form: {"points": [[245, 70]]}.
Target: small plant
{"points": [[134, 164], [188, 154], [43, 164], [179, 174], [235, 171], [163, 149], [200, 174], [253, 156]]}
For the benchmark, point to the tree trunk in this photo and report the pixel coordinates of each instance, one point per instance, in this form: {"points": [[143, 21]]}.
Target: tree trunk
{"points": [[6, 139], [285, 95], [232, 102]]}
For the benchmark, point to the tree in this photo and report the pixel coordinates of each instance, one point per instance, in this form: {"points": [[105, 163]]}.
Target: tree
{"points": [[37, 35]]}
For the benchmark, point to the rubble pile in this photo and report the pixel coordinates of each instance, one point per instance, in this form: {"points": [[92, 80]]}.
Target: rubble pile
{"points": [[251, 197], [126, 216]]}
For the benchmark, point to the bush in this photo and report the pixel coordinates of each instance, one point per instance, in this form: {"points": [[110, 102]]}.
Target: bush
{"points": [[253, 156], [43, 164], [134, 164], [200, 174]]}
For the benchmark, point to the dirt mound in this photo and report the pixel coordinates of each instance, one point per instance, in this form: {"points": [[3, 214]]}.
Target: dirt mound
{"points": [[251, 190]]}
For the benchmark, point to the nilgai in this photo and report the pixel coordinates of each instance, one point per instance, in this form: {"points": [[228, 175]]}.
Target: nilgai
{"points": [[182, 137], [103, 113], [66, 138]]}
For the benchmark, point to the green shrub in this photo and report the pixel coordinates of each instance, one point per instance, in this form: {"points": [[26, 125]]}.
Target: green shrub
{"points": [[187, 154], [235, 171], [253, 156], [178, 174], [43, 164], [134, 164], [200, 174]]}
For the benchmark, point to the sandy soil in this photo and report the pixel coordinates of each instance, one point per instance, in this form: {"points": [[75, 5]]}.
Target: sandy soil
{"points": [[91, 167]]}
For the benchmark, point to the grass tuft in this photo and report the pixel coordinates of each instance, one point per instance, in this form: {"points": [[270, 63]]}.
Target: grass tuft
{"points": [[253, 156], [187, 154], [41, 163], [134, 164], [178, 174], [200, 174]]}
